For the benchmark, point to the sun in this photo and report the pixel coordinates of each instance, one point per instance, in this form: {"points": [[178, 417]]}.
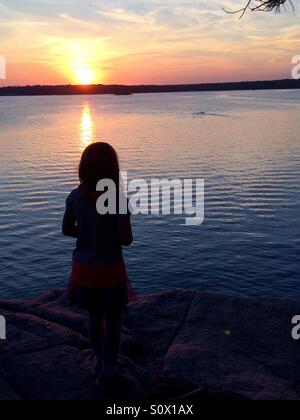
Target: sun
{"points": [[85, 76]]}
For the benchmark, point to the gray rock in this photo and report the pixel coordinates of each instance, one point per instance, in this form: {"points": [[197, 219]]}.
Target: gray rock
{"points": [[155, 321], [223, 343], [178, 345], [7, 393]]}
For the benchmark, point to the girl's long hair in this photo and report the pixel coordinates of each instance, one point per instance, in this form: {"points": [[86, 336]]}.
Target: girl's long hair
{"points": [[99, 161]]}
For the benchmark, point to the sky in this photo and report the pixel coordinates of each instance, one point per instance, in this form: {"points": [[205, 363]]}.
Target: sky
{"points": [[143, 42]]}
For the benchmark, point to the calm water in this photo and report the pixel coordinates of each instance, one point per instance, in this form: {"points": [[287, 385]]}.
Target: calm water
{"points": [[246, 146]]}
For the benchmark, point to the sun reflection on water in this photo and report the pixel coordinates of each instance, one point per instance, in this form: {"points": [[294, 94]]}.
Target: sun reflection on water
{"points": [[86, 127]]}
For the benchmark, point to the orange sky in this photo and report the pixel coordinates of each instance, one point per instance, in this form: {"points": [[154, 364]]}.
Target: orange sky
{"points": [[136, 41]]}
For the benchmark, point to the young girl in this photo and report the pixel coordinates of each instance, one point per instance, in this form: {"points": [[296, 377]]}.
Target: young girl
{"points": [[99, 281]]}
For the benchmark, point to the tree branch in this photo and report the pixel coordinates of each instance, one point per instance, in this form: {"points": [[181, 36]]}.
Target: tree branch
{"points": [[262, 6]]}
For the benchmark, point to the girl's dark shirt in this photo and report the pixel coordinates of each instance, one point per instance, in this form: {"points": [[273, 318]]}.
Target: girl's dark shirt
{"points": [[98, 241]]}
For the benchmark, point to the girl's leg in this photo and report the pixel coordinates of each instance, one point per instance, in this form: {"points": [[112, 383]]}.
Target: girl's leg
{"points": [[112, 340], [96, 331]]}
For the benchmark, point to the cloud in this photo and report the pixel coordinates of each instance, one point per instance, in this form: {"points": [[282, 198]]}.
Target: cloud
{"points": [[149, 40]]}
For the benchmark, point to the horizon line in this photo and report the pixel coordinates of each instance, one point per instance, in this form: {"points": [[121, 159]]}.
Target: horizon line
{"points": [[147, 84]]}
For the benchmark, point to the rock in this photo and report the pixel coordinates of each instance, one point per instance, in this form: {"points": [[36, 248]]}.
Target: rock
{"points": [[155, 321], [203, 395], [29, 334], [60, 373], [170, 389], [222, 343], [176, 346], [137, 376], [130, 346], [7, 393]]}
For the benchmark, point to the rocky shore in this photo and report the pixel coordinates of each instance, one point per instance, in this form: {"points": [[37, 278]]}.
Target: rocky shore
{"points": [[177, 346]]}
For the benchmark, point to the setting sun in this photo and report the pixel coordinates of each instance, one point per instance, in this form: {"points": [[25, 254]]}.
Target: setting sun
{"points": [[85, 76]]}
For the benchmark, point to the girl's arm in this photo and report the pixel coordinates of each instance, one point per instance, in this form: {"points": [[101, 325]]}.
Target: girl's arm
{"points": [[126, 235], [69, 227]]}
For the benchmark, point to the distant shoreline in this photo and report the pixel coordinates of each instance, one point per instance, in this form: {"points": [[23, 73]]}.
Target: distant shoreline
{"points": [[123, 90]]}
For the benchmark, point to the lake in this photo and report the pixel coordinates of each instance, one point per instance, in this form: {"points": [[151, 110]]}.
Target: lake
{"points": [[244, 144]]}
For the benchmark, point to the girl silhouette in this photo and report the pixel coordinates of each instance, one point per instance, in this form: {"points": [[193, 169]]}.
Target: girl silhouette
{"points": [[99, 281]]}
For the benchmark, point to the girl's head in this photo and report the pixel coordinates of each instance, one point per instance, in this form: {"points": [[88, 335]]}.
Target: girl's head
{"points": [[99, 161]]}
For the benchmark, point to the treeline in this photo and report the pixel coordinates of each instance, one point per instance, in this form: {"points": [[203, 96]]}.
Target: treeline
{"points": [[129, 90]]}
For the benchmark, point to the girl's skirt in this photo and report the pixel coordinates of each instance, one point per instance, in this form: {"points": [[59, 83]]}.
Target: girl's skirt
{"points": [[100, 288]]}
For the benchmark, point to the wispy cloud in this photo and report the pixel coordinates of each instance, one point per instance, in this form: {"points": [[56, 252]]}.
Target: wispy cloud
{"points": [[135, 41]]}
